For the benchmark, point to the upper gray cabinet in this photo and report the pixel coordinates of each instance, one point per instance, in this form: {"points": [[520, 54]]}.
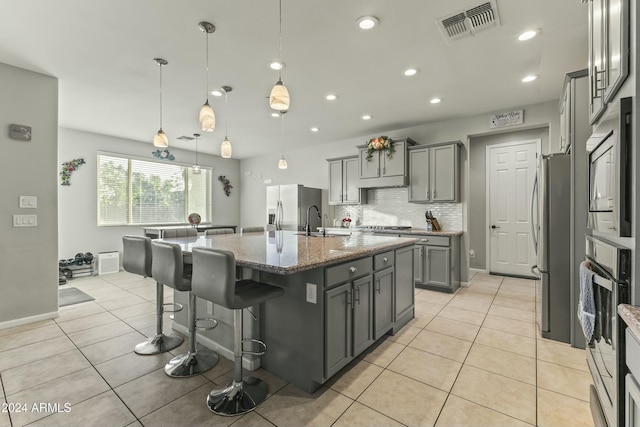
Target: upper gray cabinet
{"points": [[573, 111], [433, 173], [608, 52], [343, 182], [382, 170]]}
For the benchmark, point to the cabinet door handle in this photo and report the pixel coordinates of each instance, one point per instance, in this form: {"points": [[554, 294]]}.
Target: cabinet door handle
{"points": [[357, 298], [353, 269], [385, 259], [378, 285], [596, 80], [424, 240], [350, 297]]}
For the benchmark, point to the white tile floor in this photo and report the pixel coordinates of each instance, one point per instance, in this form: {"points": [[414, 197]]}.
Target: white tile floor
{"points": [[473, 358]]}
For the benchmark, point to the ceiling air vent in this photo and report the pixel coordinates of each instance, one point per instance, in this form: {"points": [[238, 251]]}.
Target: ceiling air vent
{"points": [[470, 21]]}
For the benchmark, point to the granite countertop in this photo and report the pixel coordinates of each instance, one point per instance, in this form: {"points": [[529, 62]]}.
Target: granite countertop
{"points": [[631, 316], [422, 232], [287, 252]]}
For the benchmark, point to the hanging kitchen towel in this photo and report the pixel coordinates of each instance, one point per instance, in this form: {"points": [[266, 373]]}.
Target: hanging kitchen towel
{"points": [[586, 304]]}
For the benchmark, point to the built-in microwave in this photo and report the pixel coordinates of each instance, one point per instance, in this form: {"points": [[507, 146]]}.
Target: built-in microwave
{"points": [[609, 149]]}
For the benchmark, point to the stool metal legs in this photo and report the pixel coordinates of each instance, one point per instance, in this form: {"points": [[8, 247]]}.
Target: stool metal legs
{"points": [[193, 362], [242, 395], [160, 342]]}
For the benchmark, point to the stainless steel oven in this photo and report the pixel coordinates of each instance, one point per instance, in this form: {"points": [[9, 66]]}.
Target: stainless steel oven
{"points": [[609, 150], [611, 265]]}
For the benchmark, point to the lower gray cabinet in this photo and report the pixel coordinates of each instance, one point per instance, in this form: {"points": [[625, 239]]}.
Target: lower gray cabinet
{"points": [[631, 387], [384, 285], [404, 286], [349, 322], [437, 263]]}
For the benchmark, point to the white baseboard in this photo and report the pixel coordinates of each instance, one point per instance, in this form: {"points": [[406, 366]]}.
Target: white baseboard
{"points": [[250, 365], [25, 320], [464, 284], [478, 270]]}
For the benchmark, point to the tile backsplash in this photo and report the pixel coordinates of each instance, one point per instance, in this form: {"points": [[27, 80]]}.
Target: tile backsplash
{"points": [[389, 206]]}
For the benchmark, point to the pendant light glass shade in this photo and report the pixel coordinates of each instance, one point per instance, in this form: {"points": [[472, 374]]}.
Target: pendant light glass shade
{"points": [[161, 140], [282, 164], [225, 149], [207, 118], [279, 98], [195, 169]]}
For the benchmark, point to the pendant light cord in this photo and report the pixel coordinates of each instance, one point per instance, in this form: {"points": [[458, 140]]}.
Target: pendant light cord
{"points": [[282, 133], [197, 151], [280, 42], [206, 89], [226, 115], [160, 65]]}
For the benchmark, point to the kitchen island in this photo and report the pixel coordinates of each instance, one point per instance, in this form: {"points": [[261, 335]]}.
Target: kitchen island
{"points": [[342, 293]]}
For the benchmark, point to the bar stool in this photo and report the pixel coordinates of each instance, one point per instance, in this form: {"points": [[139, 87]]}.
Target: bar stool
{"points": [[214, 231], [169, 268], [137, 259], [179, 232], [252, 229], [214, 280]]}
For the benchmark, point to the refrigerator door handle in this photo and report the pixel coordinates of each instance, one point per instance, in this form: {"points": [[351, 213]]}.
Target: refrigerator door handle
{"points": [[280, 214], [534, 237], [277, 223]]}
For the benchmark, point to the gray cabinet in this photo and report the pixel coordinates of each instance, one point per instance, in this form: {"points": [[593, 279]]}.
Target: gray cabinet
{"points": [[405, 284], [433, 173], [608, 52], [384, 282], [631, 387], [348, 317], [383, 170], [438, 263], [343, 182]]}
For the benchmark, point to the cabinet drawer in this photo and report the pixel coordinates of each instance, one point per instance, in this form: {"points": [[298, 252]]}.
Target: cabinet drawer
{"points": [[632, 353], [379, 260], [433, 240], [348, 271]]}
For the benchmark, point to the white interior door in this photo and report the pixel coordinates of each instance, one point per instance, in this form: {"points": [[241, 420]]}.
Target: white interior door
{"points": [[511, 169]]}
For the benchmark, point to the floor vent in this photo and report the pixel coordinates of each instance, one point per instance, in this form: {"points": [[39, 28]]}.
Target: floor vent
{"points": [[108, 262], [470, 21]]}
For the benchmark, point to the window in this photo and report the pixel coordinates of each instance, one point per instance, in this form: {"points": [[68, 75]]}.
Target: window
{"points": [[135, 192]]}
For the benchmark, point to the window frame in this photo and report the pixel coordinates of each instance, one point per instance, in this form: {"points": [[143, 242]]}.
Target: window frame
{"points": [[129, 190]]}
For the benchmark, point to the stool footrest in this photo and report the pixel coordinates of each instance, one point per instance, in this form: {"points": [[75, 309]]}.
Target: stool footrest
{"points": [[211, 320], [175, 307], [254, 341]]}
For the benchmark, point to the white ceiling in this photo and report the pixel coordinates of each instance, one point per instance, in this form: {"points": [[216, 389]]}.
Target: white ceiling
{"points": [[103, 52]]}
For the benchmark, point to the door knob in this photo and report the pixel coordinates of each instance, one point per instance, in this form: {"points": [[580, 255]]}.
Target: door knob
{"points": [[494, 227]]}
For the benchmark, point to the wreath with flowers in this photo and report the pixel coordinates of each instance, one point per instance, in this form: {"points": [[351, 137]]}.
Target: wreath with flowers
{"points": [[381, 143]]}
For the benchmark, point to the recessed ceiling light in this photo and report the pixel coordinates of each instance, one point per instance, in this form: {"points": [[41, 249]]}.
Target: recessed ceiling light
{"points": [[435, 100], [276, 65], [275, 114], [216, 93], [410, 72], [367, 117], [529, 78], [367, 22], [529, 34], [314, 129], [331, 97]]}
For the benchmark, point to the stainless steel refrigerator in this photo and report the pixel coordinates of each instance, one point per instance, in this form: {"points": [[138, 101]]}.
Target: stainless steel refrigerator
{"points": [[551, 230], [287, 207]]}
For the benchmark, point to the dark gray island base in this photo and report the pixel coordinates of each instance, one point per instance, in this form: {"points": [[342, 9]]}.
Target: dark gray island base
{"points": [[341, 295]]}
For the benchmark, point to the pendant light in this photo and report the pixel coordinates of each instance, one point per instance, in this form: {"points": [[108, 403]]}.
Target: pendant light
{"points": [[195, 169], [160, 139], [207, 116], [282, 163], [225, 148], [279, 97]]}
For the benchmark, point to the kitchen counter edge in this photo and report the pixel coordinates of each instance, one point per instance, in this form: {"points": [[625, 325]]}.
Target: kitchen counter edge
{"points": [[631, 316]]}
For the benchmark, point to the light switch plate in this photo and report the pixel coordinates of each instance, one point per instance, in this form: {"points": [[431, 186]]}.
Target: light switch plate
{"points": [[25, 220], [29, 202], [312, 293]]}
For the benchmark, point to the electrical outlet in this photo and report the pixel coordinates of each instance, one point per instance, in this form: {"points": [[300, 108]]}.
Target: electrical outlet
{"points": [[312, 293], [209, 308]]}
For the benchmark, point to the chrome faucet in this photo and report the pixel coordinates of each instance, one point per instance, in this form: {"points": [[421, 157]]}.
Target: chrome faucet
{"points": [[307, 227]]}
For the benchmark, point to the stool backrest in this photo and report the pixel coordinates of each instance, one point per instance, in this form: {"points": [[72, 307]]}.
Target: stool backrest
{"points": [[168, 267], [136, 255], [179, 232], [214, 231], [213, 277], [252, 229]]}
